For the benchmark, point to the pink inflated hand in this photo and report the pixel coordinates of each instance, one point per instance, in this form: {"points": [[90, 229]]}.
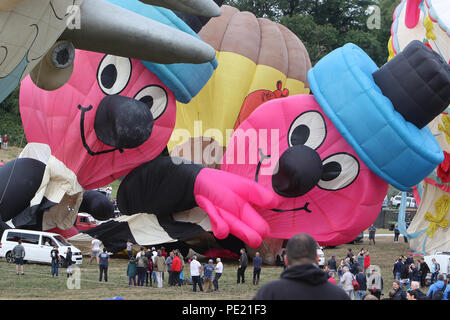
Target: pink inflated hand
{"points": [[228, 199]]}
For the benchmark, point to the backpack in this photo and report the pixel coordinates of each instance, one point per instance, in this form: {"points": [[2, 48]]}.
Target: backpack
{"points": [[439, 294], [140, 263]]}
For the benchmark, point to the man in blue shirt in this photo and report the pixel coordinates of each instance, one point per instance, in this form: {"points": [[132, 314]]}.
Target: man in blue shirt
{"points": [[439, 285], [103, 261], [435, 268], [208, 275], [257, 263]]}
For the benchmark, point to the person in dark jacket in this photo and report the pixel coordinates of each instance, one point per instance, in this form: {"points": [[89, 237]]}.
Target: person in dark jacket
{"points": [[243, 262], [354, 269], [362, 281], [68, 262], [149, 271], [415, 287], [424, 270], [302, 279], [404, 276], [409, 260], [413, 273], [332, 263], [400, 294], [257, 264], [54, 254], [397, 269]]}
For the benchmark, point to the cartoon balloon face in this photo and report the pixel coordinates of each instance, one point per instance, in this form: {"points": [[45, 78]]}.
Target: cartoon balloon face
{"points": [[323, 187], [111, 116]]}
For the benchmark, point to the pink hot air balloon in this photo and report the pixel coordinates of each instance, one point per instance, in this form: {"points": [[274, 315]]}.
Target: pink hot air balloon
{"points": [[335, 209], [111, 116]]}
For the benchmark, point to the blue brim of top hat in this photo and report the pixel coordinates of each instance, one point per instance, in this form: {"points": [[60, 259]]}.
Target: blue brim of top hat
{"points": [[393, 148], [184, 79]]}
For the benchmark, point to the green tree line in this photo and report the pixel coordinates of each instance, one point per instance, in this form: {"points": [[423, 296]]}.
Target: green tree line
{"points": [[10, 121], [324, 25]]}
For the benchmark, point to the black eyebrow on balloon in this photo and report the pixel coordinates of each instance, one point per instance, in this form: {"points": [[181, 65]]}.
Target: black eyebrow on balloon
{"points": [[32, 44]]}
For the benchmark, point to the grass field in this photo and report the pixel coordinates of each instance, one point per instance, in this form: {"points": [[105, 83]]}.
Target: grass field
{"points": [[10, 154], [37, 282]]}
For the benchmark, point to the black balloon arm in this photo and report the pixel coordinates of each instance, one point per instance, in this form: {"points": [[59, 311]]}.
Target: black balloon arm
{"points": [[19, 181], [162, 186]]}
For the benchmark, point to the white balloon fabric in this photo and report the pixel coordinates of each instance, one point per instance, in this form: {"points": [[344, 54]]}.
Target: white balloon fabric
{"points": [[26, 34], [29, 29]]}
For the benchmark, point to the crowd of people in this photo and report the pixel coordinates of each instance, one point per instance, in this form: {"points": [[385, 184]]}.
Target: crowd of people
{"points": [[18, 253], [149, 266], [360, 282], [353, 279]]}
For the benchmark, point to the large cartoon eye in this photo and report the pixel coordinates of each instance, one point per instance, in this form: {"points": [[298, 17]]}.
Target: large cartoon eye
{"points": [[308, 129], [156, 99], [339, 171], [113, 74]]}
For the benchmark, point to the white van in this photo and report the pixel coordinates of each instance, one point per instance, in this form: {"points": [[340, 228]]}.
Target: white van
{"points": [[443, 258], [38, 246], [410, 202]]}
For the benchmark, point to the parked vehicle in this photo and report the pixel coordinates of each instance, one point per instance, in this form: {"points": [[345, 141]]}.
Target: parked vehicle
{"points": [[359, 238], [443, 258], [85, 222], [321, 257], [38, 245], [410, 201]]}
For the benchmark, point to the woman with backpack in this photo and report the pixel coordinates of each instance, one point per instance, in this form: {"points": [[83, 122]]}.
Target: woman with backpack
{"points": [[141, 267]]}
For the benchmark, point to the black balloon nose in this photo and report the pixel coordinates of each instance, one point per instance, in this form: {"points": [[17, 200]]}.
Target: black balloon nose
{"points": [[123, 122], [299, 170]]}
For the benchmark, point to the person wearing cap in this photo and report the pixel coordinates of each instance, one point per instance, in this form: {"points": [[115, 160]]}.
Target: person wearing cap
{"points": [[208, 270], [54, 254], [302, 279]]}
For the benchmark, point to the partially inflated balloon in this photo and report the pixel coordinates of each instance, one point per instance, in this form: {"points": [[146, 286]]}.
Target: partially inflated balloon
{"points": [[105, 99], [429, 22], [30, 28], [423, 20], [259, 60], [111, 116]]}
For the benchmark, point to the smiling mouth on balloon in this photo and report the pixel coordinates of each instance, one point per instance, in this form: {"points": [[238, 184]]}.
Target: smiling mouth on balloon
{"points": [[258, 168], [83, 138]]}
